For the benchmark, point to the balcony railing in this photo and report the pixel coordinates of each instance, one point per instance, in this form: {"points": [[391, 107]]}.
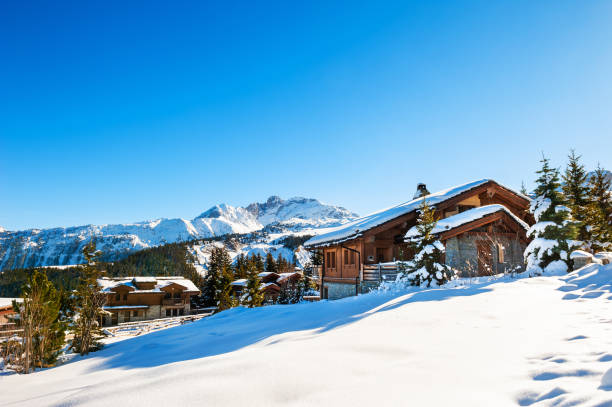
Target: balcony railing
{"points": [[173, 301]]}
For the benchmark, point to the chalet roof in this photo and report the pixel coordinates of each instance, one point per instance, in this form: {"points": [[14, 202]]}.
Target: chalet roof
{"points": [[8, 302], [109, 284], [460, 219], [241, 282], [356, 228]]}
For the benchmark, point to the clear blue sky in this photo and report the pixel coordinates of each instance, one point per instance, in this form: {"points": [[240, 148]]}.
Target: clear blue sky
{"points": [[113, 112]]}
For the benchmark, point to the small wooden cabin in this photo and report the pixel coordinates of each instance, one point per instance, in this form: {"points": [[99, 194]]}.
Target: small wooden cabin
{"points": [[475, 244]]}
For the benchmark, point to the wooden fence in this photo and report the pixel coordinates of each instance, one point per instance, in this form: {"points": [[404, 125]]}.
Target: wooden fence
{"points": [[380, 272]]}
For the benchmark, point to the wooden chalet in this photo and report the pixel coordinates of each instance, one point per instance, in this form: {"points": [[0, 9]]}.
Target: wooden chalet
{"points": [[482, 225], [271, 284], [143, 298]]}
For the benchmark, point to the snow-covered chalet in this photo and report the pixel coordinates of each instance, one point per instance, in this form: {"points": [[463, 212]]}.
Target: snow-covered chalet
{"points": [[482, 225]]}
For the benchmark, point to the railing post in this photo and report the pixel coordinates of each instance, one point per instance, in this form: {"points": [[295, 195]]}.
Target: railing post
{"points": [[379, 273]]}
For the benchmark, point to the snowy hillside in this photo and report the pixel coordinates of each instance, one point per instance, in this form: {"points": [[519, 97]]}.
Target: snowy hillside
{"points": [[544, 341], [61, 246]]}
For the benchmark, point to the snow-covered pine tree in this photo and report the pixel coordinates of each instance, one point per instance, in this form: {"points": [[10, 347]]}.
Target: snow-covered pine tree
{"points": [[599, 211], [576, 190], [554, 232], [252, 296], [427, 266]]}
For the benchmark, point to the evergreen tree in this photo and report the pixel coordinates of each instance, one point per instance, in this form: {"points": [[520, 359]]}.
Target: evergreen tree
{"points": [[241, 267], [43, 325], [599, 211], [253, 296], [427, 266], [217, 288], [575, 190], [259, 263], [555, 231], [271, 264], [284, 297], [89, 301]]}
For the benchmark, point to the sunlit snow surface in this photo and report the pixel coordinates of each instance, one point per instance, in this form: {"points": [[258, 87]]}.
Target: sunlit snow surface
{"points": [[544, 341]]}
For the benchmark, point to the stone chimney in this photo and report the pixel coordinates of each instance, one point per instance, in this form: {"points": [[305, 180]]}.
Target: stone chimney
{"points": [[421, 191]]}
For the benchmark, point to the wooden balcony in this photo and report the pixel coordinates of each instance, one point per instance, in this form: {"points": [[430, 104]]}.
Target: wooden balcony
{"points": [[173, 301]]}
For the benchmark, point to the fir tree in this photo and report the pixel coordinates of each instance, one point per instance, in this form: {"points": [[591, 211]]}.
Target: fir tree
{"points": [[575, 190], [284, 297], [42, 323], [599, 211], [427, 266], [240, 269], [253, 296], [271, 264], [89, 301], [217, 286], [555, 231]]}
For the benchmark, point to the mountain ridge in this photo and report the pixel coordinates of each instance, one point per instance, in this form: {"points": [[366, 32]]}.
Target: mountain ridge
{"points": [[62, 245]]}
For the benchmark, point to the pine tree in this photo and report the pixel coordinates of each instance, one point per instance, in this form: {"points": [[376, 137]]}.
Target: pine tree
{"points": [[253, 296], [575, 190], [89, 302], [42, 323], [599, 211], [218, 290], [427, 267], [284, 297], [271, 264], [240, 268], [555, 231]]}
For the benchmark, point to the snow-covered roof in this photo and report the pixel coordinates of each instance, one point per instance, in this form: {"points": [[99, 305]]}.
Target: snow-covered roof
{"points": [[241, 282], [108, 284], [7, 302], [266, 273], [142, 279], [355, 228], [284, 276], [110, 307], [452, 222]]}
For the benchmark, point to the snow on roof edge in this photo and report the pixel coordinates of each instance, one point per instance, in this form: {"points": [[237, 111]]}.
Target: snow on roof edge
{"points": [[455, 221], [355, 228]]}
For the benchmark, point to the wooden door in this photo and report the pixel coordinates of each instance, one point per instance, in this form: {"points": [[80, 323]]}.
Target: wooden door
{"points": [[485, 258]]}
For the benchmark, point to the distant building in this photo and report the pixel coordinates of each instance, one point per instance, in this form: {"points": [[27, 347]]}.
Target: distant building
{"points": [[271, 284], [6, 309], [142, 298], [482, 225]]}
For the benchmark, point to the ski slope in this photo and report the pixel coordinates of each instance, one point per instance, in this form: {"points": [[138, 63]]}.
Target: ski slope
{"points": [[544, 341]]}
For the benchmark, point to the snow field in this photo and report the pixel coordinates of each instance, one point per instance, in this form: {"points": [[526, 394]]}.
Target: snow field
{"points": [[544, 341]]}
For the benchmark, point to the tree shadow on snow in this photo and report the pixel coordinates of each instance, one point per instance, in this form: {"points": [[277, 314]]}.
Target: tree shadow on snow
{"points": [[237, 328]]}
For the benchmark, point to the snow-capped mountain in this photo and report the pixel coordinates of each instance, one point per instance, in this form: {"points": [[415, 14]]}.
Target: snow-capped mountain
{"points": [[61, 246]]}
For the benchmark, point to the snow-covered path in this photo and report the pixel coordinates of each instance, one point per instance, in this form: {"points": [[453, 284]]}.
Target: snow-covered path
{"points": [[540, 341]]}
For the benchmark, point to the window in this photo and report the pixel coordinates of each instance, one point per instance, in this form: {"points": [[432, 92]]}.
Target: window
{"points": [[380, 254], [349, 257], [331, 260], [168, 296], [134, 313], [124, 297], [177, 295], [117, 297], [168, 312]]}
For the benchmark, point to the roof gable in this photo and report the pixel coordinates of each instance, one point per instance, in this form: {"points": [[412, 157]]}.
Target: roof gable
{"points": [[357, 227], [484, 213]]}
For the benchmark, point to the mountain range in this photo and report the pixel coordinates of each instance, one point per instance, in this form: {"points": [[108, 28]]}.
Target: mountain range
{"points": [[276, 218]]}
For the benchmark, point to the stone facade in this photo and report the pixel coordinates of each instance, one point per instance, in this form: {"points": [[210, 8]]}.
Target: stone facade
{"points": [[462, 253], [336, 291]]}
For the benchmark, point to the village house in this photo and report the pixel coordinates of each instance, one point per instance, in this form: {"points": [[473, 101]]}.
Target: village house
{"points": [[271, 284], [143, 298], [482, 225]]}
